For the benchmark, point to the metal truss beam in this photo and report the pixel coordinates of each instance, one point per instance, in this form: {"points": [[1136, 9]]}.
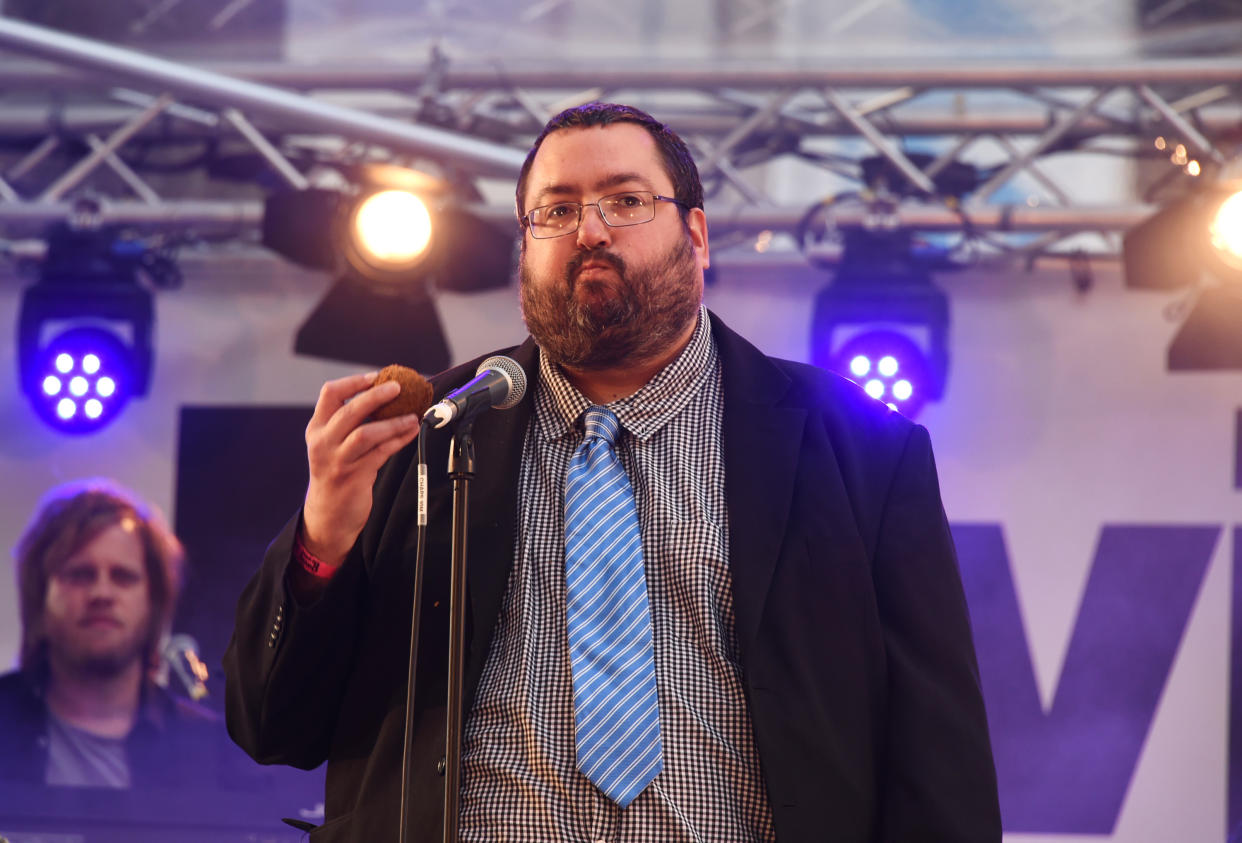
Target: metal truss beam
{"points": [[1005, 120]]}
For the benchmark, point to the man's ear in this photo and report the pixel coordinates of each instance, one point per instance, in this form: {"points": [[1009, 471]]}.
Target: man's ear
{"points": [[696, 223]]}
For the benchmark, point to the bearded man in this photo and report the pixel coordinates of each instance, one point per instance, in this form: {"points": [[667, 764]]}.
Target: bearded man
{"points": [[98, 576], [711, 595]]}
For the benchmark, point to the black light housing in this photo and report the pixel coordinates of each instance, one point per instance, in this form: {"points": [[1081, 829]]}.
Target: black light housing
{"points": [[357, 322], [85, 328], [883, 307]]}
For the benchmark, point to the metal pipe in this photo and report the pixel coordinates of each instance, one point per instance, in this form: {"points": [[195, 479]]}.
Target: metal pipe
{"points": [[750, 75], [269, 152], [723, 219], [1177, 121], [881, 143], [708, 76], [87, 165], [274, 104]]}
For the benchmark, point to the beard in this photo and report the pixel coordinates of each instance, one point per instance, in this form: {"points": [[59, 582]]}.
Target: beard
{"points": [[89, 659], [593, 324]]}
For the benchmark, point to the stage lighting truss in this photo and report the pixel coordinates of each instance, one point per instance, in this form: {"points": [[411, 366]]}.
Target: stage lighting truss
{"points": [[884, 326], [85, 333], [259, 120]]}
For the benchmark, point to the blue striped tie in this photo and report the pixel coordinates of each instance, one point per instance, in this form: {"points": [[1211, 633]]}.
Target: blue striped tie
{"points": [[608, 619]]}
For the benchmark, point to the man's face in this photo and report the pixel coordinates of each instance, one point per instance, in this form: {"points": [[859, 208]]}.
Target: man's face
{"points": [[98, 605], [603, 296]]}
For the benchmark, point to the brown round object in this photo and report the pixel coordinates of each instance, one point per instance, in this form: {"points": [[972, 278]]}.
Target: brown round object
{"points": [[415, 395]]}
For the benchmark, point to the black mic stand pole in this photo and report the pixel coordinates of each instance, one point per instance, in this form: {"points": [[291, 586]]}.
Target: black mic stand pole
{"points": [[407, 751], [461, 470]]}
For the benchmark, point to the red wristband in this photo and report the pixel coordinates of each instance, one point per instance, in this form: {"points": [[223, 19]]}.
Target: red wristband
{"points": [[311, 563]]}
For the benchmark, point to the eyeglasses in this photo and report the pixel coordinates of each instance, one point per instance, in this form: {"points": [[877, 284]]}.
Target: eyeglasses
{"points": [[633, 207]]}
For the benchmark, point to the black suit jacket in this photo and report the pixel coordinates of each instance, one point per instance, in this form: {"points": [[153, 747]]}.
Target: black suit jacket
{"points": [[854, 639]]}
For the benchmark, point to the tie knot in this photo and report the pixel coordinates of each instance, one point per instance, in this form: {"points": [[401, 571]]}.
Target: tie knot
{"points": [[601, 423]]}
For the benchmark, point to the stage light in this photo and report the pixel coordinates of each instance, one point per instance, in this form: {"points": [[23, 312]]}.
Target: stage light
{"points": [[85, 328], [391, 230], [889, 365], [1199, 232], [85, 378], [883, 324], [1225, 230], [1195, 242], [395, 240]]}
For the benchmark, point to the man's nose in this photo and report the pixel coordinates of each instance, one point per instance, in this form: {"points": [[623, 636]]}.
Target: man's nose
{"points": [[593, 231], [102, 589]]}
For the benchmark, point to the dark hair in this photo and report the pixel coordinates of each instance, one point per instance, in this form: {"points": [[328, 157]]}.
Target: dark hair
{"points": [[673, 152], [69, 518]]}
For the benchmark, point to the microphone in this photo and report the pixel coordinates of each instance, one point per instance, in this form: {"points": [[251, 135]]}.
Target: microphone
{"points": [[180, 652], [498, 382]]}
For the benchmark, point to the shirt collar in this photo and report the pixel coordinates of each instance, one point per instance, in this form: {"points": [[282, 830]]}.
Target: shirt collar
{"points": [[559, 404]]}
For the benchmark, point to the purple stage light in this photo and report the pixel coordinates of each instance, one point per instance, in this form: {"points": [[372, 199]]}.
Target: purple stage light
{"points": [[889, 366], [86, 377]]}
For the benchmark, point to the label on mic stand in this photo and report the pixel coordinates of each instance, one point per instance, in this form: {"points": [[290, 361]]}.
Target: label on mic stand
{"points": [[422, 494]]}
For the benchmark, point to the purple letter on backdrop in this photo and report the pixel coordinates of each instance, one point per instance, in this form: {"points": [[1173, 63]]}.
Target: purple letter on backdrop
{"points": [[1067, 770]]}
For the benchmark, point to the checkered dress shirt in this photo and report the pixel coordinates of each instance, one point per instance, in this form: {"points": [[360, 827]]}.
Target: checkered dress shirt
{"points": [[519, 779]]}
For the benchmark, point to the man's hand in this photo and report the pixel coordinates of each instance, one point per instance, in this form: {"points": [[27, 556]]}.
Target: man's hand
{"points": [[345, 452]]}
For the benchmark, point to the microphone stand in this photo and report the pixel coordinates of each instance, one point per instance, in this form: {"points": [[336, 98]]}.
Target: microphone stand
{"points": [[407, 752], [461, 470]]}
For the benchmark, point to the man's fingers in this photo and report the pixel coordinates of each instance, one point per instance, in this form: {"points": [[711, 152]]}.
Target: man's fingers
{"points": [[375, 458], [359, 408], [334, 394], [362, 441]]}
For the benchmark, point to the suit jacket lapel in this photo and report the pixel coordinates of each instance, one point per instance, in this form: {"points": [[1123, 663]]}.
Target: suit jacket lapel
{"points": [[761, 445]]}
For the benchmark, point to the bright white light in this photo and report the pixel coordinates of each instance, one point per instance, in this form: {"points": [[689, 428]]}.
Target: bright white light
{"points": [[78, 386], [875, 388], [860, 365], [393, 227], [105, 386], [1226, 229], [90, 364], [902, 390], [66, 408], [892, 406], [64, 363], [51, 385], [93, 408], [888, 366]]}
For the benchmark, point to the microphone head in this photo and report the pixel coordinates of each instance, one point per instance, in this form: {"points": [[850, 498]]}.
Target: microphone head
{"points": [[508, 367]]}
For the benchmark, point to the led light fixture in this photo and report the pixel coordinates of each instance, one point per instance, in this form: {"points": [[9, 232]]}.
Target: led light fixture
{"points": [[85, 331], [884, 324]]}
